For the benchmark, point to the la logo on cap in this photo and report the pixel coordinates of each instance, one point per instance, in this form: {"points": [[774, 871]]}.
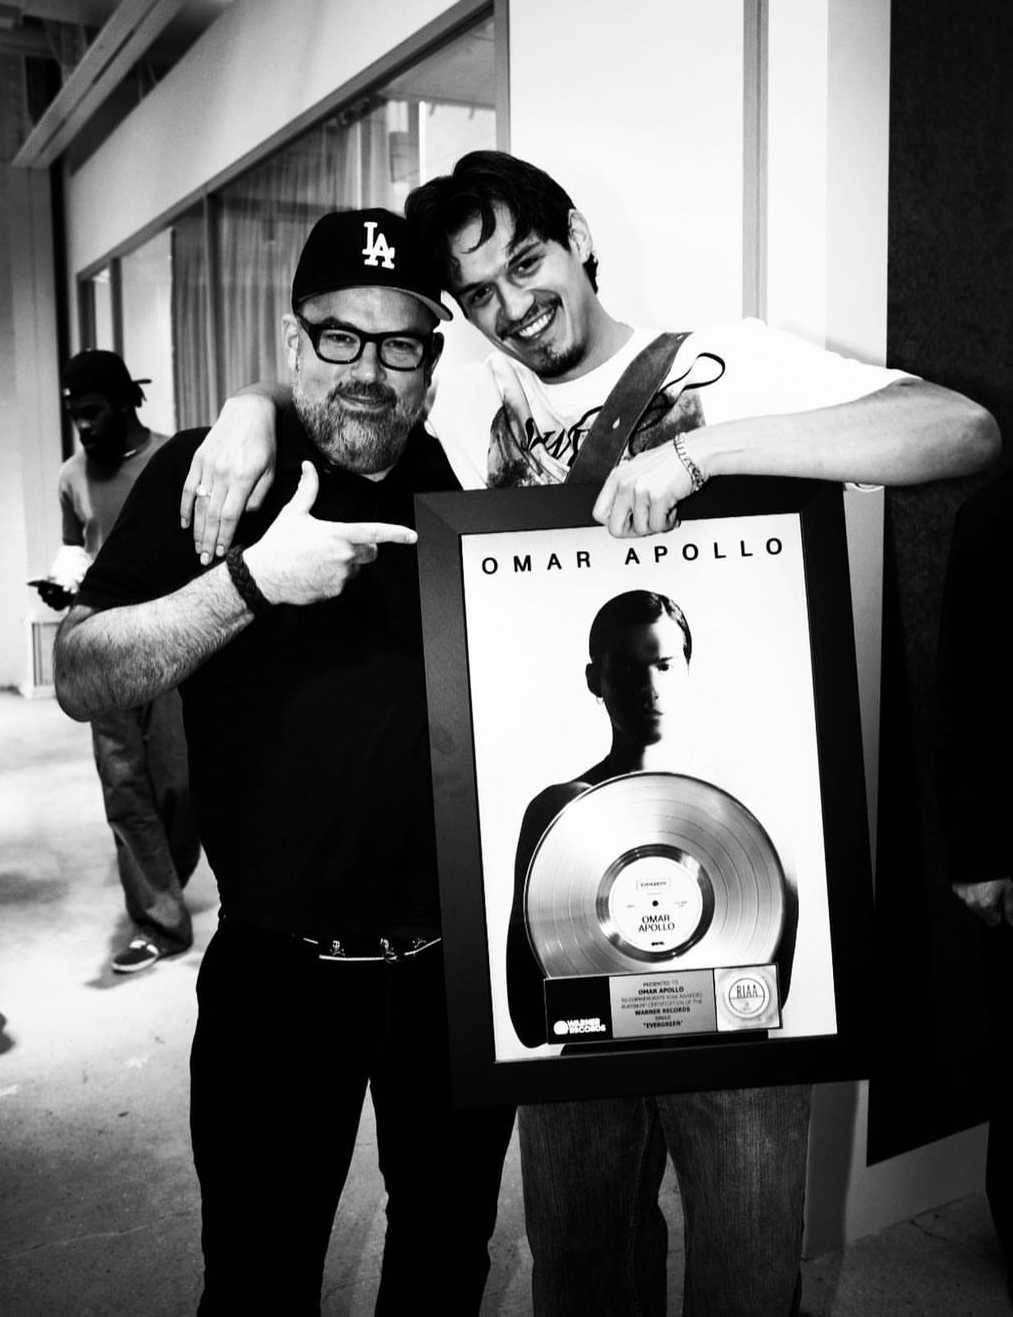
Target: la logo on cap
{"points": [[377, 250]]}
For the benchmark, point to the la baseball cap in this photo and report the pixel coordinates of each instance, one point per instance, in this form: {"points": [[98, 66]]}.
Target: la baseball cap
{"points": [[366, 248], [96, 371]]}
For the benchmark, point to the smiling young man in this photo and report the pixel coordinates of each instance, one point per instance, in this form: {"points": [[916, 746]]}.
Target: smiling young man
{"points": [[544, 312], [300, 666], [739, 399]]}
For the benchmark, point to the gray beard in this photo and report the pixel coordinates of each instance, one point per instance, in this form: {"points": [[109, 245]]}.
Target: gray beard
{"points": [[350, 442]]}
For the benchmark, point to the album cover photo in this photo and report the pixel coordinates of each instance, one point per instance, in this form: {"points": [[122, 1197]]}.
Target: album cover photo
{"points": [[639, 730]]}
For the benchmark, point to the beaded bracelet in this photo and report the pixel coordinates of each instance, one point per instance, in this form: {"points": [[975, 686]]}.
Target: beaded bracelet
{"points": [[697, 478], [246, 587]]}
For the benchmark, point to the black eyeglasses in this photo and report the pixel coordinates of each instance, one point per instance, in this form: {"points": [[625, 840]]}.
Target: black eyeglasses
{"points": [[340, 346]]}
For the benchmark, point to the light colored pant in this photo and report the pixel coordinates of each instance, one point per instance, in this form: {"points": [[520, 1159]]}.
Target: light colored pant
{"points": [[592, 1171], [141, 759]]}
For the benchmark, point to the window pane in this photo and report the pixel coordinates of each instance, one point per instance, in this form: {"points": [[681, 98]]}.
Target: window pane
{"points": [[263, 221], [103, 333], [450, 102], [370, 153], [190, 320], [146, 284]]}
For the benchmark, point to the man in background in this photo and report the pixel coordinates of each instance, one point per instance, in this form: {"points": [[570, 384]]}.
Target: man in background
{"points": [[140, 753]]}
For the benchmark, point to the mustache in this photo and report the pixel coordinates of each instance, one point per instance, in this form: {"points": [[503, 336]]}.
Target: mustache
{"points": [[364, 392], [508, 327]]}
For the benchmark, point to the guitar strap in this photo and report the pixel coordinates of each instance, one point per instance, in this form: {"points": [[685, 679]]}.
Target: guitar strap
{"points": [[610, 432]]}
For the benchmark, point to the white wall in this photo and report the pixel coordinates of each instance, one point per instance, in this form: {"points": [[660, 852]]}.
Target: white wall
{"points": [[637, 109], [146, 282], [30, 422], [261, 66]]}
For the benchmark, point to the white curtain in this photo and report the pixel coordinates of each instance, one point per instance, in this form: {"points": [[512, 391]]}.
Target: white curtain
{"points": [[264, 219]]}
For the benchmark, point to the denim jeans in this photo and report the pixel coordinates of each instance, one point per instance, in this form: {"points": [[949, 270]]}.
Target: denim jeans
{"points": [[284, 1049], [592, 1171], [141, 759]]}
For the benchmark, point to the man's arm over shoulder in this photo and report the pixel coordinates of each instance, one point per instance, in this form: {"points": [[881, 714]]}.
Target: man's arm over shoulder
{"points": [[233, 468], [905, 432]]}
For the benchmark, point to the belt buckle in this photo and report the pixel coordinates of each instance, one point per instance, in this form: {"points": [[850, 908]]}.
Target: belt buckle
{"points": [[335, 949], [389, 953], [332, 950]]}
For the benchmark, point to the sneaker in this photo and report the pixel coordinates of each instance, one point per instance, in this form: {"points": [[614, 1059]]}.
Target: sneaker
{"points": [[140, 954]]}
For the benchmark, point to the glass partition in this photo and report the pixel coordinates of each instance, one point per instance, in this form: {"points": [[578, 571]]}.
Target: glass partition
{"points": [[101, 286], [370, 153], [146, 293], [198, 307], [191, 330]]}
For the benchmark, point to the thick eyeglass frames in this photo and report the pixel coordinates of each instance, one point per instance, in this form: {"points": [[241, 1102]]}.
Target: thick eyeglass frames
{"points": [[340, 345]]}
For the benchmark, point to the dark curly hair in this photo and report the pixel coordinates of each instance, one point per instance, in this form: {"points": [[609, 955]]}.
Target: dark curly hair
{"points": [[480, 181]]}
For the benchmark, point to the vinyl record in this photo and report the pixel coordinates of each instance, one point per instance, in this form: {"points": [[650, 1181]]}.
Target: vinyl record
{"points": [[653, 871]]}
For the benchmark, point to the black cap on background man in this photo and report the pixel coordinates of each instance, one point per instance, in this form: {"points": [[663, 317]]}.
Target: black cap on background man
{"points": [[96, 370], [101, 399]]}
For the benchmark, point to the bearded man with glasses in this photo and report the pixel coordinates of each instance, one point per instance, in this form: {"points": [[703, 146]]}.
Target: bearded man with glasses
{"points": [[299, 660]]}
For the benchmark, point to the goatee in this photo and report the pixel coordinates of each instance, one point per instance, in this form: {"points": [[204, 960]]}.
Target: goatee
{"points": [[553, 362], [546, 360], [108, 448]]}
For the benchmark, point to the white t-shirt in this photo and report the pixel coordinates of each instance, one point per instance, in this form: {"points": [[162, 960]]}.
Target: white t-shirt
{"points": [[502, 425]]}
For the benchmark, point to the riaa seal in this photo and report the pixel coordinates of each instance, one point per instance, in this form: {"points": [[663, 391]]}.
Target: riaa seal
{"points": [[747, 996]]}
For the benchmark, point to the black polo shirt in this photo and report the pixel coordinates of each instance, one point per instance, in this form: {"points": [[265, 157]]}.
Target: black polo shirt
{"points": [[307, 733]]}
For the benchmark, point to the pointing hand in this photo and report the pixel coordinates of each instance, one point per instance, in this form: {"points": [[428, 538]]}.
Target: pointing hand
{"points": [[301, 560]]}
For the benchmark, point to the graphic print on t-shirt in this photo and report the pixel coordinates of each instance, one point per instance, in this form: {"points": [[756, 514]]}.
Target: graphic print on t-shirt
{"points": [[500, 424], [523, 453]]}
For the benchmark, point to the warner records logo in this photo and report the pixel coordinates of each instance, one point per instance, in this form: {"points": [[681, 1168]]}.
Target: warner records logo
{"points": [[747, 996], [591, 1024]]}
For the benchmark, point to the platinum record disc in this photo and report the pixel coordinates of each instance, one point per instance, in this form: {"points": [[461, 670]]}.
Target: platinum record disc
{"points": [[653, 871]]}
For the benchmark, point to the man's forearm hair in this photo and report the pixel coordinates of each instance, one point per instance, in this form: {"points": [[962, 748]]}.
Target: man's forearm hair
{"points": [[119, 658]]}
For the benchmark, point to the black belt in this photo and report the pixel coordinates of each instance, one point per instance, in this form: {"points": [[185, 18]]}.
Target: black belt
{"points": [[356, 948], [390, 949]]}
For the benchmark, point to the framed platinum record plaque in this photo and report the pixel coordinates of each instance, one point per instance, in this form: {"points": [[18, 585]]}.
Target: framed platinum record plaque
{"points": [[650, 806]]}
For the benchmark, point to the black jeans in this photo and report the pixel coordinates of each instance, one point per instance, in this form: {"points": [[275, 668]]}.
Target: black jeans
{"points": [[998, 950], [284, 1048]]}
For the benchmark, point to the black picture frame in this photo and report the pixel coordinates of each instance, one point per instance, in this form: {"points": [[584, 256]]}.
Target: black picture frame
{"points": [[761, 564]]}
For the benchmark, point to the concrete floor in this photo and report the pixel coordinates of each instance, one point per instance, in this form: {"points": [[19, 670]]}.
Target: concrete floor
{"points": [[98, 1203]]}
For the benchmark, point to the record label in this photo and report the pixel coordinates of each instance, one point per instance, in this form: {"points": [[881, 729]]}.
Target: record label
{"points": [[656, 870], [654, 901]]}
